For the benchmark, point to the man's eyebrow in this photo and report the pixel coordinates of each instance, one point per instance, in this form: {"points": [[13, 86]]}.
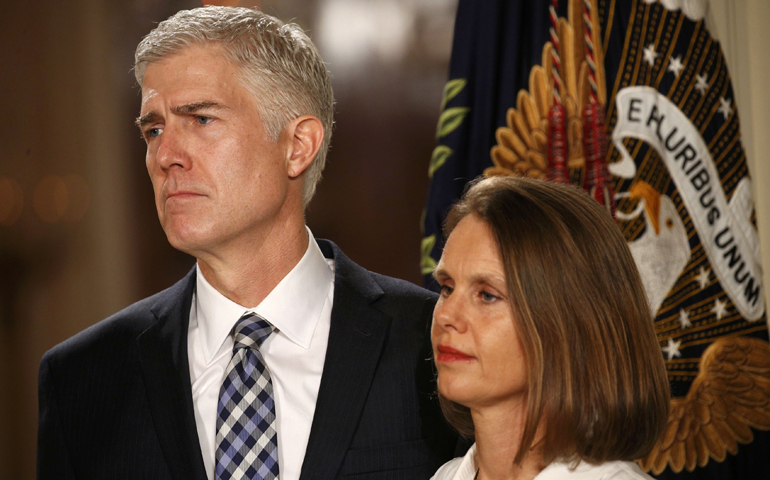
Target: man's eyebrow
{"points": [[185, 109], [189, 108], [147, 118]]}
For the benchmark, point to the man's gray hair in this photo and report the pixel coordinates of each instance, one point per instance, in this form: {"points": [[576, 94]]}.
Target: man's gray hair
{"points": [[279, 65]]}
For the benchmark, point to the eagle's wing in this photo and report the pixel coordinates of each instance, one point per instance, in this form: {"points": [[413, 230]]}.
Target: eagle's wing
{"points": [[730, 395]]}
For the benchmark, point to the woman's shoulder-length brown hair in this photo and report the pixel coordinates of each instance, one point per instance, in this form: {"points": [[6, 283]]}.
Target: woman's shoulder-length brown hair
{"points": [[597, 383]]}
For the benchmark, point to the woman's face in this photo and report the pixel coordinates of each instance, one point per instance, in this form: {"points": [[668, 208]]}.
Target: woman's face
{"points": [[478, 354]]}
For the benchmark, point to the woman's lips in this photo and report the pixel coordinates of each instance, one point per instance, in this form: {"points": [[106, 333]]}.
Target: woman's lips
{"points": [[448, 354]]}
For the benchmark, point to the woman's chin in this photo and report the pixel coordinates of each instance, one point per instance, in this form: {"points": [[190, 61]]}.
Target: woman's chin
{"points": [[457, 392]]}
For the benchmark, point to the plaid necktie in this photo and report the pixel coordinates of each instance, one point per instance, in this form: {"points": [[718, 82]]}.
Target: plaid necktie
{"points": [[247, 442]]}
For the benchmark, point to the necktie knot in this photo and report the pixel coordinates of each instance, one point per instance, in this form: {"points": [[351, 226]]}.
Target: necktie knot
{"points": [[251, 331]]}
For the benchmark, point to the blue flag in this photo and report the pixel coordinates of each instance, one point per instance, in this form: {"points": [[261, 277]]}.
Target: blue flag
{"points": [[677, 182]]}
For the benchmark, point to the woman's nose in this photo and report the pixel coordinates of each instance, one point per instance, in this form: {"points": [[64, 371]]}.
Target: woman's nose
{"points": [[449, 313]]}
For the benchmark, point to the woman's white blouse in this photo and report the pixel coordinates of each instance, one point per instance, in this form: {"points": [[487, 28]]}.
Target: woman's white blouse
{"points": [[464, 468]]}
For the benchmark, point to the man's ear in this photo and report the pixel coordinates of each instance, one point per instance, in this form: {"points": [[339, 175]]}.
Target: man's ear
{"points": [[306, 134]]}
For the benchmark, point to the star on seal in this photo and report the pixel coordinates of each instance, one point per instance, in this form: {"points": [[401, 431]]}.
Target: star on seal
{"points": [[675, 65], [672, 349], [703, 277], [719, 309], [702, 84], [650, 55], [725, 107]]}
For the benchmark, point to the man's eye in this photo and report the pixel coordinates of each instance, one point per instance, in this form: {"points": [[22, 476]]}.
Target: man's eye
{"points": [[154, 132], [446, 290], [203, 120]]}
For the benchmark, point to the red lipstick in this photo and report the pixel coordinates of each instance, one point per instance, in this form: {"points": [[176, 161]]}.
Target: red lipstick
{"points": [[448, 354]]}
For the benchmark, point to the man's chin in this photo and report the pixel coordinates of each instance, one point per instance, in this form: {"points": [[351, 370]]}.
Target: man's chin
{"points": [[185, 241]]}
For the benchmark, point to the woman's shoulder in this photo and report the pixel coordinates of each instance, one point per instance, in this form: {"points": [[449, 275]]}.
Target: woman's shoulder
{"points": [[460, 468], [605, 471]]}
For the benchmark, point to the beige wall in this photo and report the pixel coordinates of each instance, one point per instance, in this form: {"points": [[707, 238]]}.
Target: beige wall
{"points": [[59, 275], [740, 25]]}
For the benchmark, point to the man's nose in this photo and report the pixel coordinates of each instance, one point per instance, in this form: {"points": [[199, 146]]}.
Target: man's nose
{"points": [[173, 150]]}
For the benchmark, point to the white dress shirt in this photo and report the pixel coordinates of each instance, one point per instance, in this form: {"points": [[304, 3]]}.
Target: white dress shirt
{"points": [[464, 468], [299, 307]]}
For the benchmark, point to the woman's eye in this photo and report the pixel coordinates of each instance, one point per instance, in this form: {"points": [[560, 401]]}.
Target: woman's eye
{"points": [[488, 297]]}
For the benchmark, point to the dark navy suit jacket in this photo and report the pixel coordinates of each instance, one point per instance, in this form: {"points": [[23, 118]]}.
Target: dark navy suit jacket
{"points": [[116, 399]]}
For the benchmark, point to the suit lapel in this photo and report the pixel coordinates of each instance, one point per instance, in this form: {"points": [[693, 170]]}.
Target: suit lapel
{"points": [[163, 358], [356, 339]]}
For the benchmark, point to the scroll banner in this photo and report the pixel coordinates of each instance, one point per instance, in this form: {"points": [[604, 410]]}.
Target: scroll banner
{"points": [[725, 228]]}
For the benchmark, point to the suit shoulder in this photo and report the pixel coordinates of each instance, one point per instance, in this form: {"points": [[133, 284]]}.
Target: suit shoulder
{"points": [[360, 279], [402, 294], [396, 286]]}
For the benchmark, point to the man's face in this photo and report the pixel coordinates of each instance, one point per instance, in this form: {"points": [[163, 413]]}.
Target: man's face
{"points": [[220, 181]]}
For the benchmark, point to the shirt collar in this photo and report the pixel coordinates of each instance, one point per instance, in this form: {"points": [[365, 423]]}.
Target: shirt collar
{"points": [[293, 307], [468, 466]]}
